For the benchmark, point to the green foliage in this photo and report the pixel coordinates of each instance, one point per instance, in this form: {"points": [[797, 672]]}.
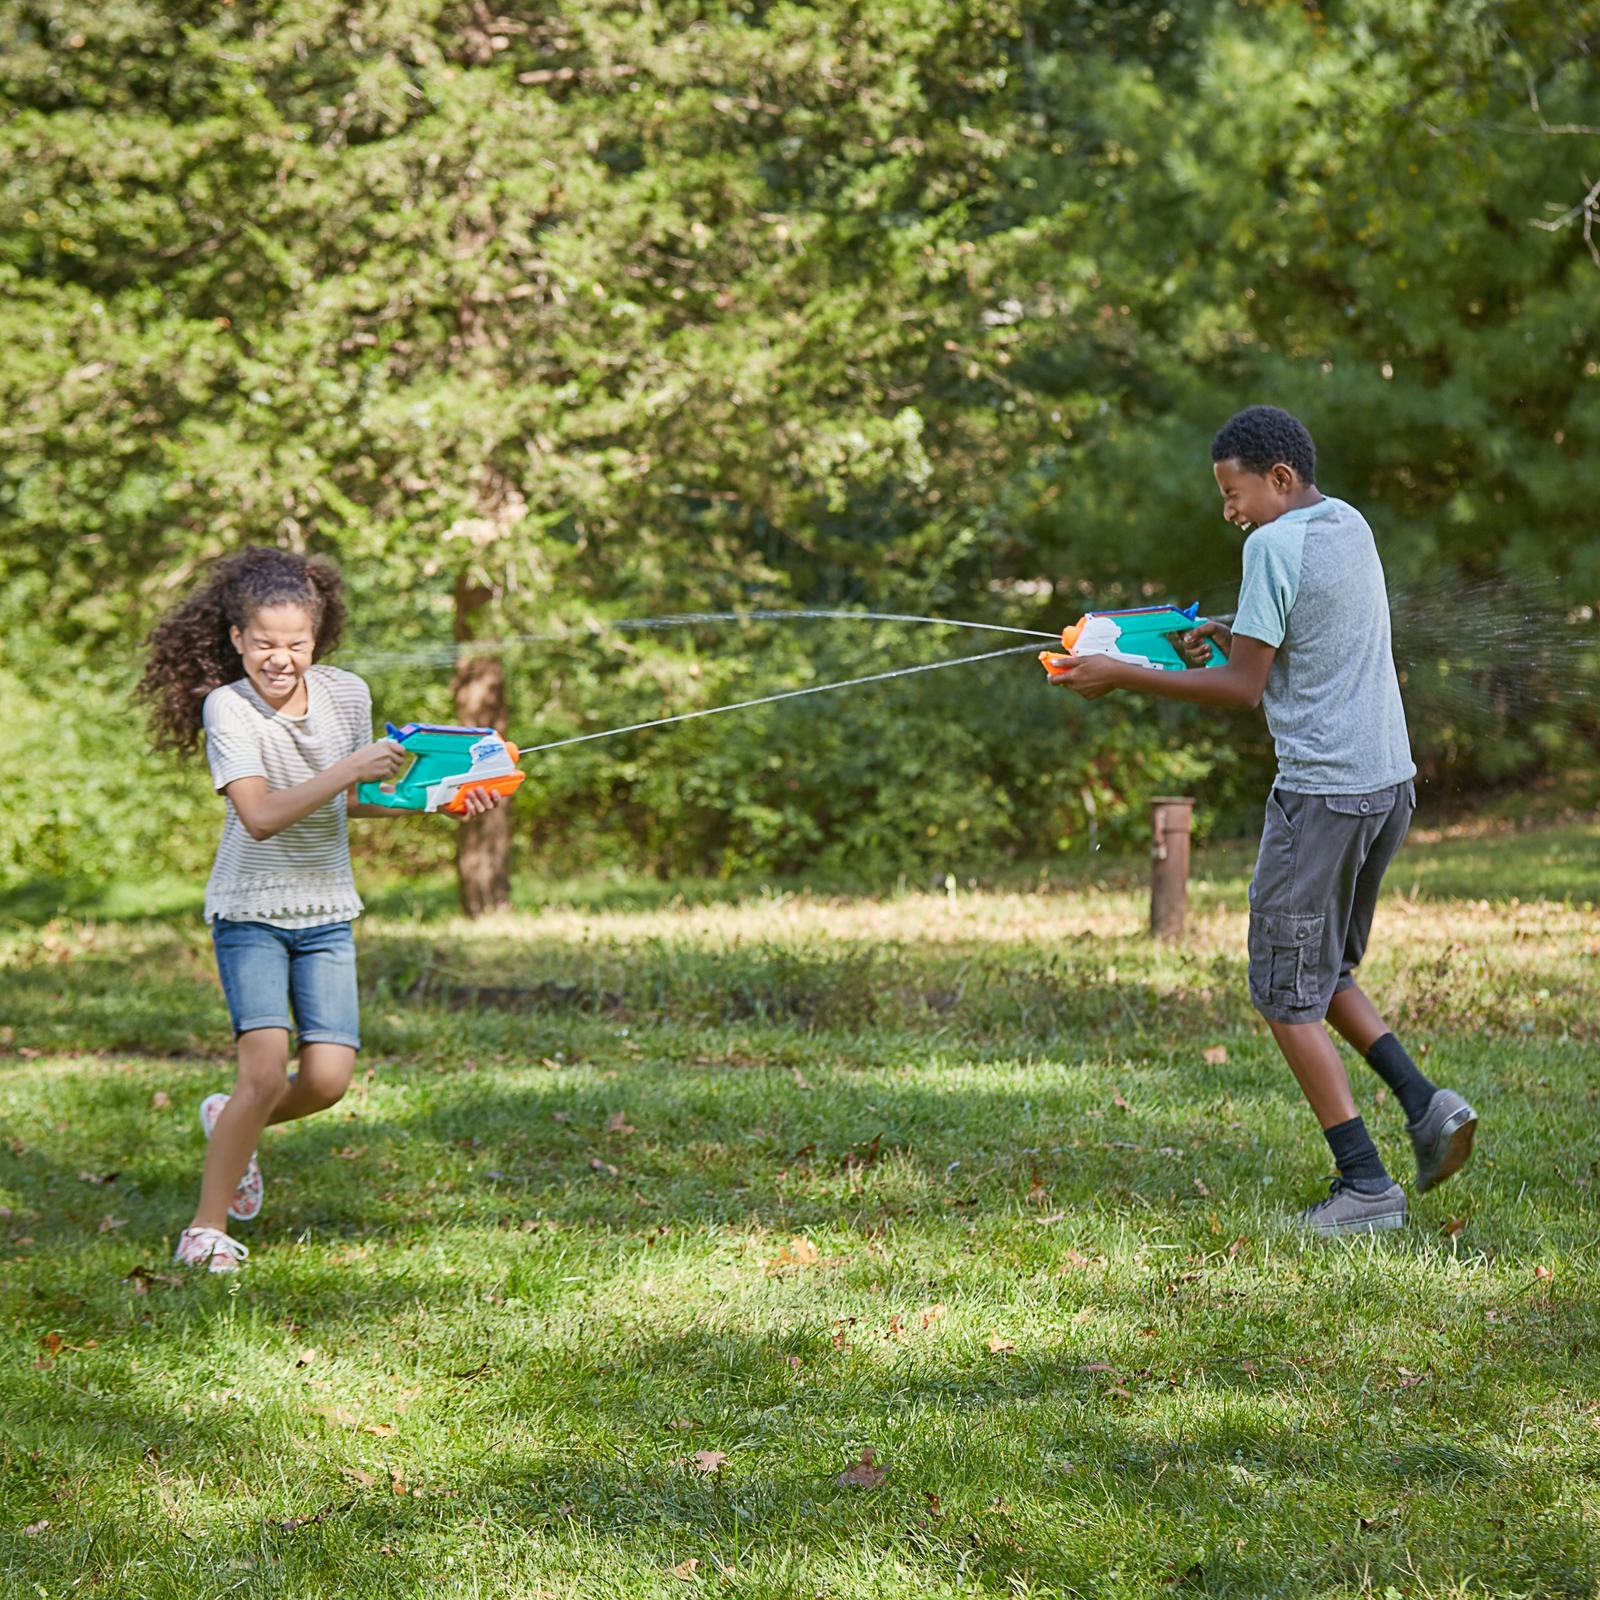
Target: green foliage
{"points": [[618, 310]]}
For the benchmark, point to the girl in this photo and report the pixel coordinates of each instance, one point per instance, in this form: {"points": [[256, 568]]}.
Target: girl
{"points": [[287, 739]]}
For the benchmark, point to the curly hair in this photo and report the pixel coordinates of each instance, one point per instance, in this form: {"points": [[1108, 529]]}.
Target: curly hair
{"points": [[191, 651], [1259, 437]]}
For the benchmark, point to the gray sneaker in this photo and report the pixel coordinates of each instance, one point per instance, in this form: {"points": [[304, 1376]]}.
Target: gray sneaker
{"points": [[1348, 1210], [1442, 1138]]}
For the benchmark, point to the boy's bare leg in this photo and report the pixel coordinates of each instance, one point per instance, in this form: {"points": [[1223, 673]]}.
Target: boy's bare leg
{"points": [[1318, 1068], [1357, 1019], [265, 1093]]}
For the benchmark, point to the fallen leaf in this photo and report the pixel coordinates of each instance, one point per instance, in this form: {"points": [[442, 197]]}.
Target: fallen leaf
{"points": [[1409, 1380], [1453, 1227], [933, 1503], [1055, 1216], [1097, 1366], [559, 1116], [397, 1483], [545, 1061], [160, 1100], [1241, 1243], [796, 1362], [356, 1475], [1201, 1187], [1120, 1393], [1038, 1195], [999, 1346], [602, 1166], [402, 1401], [1217, 1056], [862, 1155], [1083, 1315], [99, 1177], [896, 1329], [380, 1430], [932, 1314], [37, 1527], [1074, 1262], [51, 1344], [306, 1357], [339, 1416], [707, 1460], [800, 1079], [1119, 1102], [865, 1474], [1541, 1272], [349, 1154], [685, 1424], [618, 1122], [840, 1342], [1249, 1367], [1000, 1508], [799, 1252], [685, 1569], [1381, 1095], [110, 1224]]}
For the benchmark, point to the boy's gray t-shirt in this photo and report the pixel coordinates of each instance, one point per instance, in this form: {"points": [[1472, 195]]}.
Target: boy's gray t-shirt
{"points": [[1313, 588]]}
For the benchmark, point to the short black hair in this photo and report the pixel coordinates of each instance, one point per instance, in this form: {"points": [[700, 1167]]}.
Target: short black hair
{"points": [[1259, 437]]}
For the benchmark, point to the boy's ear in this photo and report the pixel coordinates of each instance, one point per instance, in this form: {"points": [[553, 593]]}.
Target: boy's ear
{"points": [[1284, 478]]}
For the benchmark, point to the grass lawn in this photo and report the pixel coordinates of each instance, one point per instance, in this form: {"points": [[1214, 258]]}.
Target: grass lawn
{"points": [[803, 1245]]}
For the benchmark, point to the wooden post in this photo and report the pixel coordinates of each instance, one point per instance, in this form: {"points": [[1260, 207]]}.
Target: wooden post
{"points": [[1169, 864]]}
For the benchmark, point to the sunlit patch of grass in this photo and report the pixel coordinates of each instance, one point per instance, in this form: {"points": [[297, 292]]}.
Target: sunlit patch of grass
{"points": [[593, 1283]]}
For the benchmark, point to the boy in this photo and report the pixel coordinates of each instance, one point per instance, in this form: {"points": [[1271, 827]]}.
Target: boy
{"points": [[1310, 642]]}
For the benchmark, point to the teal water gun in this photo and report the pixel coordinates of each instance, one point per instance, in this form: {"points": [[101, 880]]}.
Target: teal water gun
{"points": [[1145, 635], [450, 762]]}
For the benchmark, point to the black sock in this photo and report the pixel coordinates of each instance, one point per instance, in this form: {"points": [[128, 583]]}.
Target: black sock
{"points": [[1389, 1060], [1356, 1156]]}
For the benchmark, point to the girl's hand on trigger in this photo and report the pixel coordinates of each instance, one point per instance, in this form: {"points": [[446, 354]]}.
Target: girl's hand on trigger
{"points": [[375, 762], [476, 801]]}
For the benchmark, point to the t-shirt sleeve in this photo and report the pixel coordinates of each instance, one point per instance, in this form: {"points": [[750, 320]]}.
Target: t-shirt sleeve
{"points": [[233, 739], [1267, 591]]}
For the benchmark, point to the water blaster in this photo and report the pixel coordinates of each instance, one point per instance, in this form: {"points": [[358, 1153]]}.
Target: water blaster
{"points": [[1146, 635], [449, 762]]}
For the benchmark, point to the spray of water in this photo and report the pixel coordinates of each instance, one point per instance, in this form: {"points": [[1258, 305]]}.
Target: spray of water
{"points": [[1487, 653], [787, 694], [446, 655]]}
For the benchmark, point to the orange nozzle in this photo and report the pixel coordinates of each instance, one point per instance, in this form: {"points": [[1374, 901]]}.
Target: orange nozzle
{"points": [[1069, 635]]}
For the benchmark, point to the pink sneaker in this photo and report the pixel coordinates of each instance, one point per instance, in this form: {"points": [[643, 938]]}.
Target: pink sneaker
{"points": [[210, 1248], [246, 1203]]}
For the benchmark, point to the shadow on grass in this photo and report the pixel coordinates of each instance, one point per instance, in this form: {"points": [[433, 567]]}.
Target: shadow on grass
{"points": [[1015, 1475]]}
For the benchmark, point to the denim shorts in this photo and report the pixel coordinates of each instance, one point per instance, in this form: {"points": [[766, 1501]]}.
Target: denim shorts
{"points": [[1316, 883], [265, 971]]}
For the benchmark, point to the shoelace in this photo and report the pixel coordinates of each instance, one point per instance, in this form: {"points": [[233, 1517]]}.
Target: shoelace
{"points": [[216, 1238]]}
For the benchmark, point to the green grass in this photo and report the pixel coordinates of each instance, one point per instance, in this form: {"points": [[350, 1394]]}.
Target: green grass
{"points": [[845, 1114]]}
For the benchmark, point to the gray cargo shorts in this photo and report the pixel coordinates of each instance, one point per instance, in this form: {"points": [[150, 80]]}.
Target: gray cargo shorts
{"points": [[1315, 888]]}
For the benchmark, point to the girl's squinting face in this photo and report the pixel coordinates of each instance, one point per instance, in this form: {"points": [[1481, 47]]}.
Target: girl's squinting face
{"points": [[277, 645]]}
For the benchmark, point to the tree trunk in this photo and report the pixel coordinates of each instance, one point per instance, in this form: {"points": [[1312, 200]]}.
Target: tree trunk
{"points": [[483, 844]]}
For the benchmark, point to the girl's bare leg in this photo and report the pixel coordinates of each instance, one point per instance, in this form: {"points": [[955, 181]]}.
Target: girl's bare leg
{"points": [[323, 1077], [265, 1093]]}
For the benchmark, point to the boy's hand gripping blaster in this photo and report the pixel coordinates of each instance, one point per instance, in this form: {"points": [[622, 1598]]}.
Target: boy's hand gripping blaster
{"points": [[449, 763], [1147, 636]]}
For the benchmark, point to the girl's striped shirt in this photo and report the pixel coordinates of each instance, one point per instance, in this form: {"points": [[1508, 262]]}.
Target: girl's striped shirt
{"points": [[301, 877]]}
